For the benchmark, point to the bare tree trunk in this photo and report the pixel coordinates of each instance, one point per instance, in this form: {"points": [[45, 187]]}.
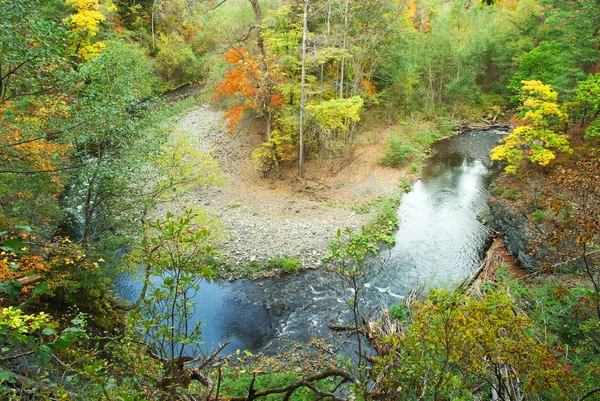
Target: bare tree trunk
{"points": [[266, 109], [302, 90], [152, 23], [344, 45]]}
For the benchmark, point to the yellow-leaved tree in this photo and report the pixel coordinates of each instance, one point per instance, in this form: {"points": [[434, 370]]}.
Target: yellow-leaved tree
{"points": [[85, 26], [539, 136]]}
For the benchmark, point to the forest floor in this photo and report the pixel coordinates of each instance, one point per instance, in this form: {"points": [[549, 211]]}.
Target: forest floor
{"points": [[284, 216]]}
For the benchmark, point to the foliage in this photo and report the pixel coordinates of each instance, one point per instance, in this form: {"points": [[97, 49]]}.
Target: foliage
{"points": [[176, 63], [397, 153], [399, 312], [285, 264], [538, 137], [588, 94], [177, 251], [85, 26], [246, 80], [538, 215], [454, 344]]}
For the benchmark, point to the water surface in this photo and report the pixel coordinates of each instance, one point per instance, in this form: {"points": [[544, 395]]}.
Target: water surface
{"points": [[439, 242]]}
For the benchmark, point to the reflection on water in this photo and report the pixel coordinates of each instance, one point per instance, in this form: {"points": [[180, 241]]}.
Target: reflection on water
{"points": [[440, 239], [220, 312]]}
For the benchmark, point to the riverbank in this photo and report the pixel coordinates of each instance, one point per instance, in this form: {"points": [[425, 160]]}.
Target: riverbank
{"points": [[269, 220]]}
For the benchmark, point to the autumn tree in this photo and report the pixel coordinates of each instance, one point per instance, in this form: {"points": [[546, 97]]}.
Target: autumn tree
{"points": [[575, 236], [539, 135], [85, 24], [454, 346], [34, 109]]}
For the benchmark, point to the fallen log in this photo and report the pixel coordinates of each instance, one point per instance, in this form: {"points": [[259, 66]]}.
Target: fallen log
{"points": [[28, 280], [484, 126]]}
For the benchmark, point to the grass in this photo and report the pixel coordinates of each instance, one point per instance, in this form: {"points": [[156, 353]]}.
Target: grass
{"points": [[285, 264]]}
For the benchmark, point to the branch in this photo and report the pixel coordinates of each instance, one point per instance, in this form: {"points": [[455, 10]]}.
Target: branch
{"points": [[306, 382], [212, 356], [11, 71], [586, 395], [31, 172], [10, 358], [218, 5]]}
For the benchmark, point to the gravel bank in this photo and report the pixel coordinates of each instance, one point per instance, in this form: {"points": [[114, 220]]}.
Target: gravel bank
{"points": [[264, 219]]}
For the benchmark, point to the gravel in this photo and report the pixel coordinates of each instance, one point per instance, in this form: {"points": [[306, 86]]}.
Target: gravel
{"points": [[266, 218]]}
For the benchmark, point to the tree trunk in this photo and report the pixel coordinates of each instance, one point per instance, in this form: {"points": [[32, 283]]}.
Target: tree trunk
{"points": [[302, 90], [266, 108], [344, 45]]}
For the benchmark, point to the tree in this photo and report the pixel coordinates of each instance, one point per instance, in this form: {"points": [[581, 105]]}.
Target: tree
{"points": [[85, 24], [588, 94], [454, 346], [178, 250], [539, 134], [575, 201], [34, 107]]}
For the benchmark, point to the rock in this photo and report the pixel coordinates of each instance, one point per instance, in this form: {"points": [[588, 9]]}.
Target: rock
{"points": [[512, 224]]}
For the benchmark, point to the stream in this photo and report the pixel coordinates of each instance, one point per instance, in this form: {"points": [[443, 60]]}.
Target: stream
{"points": [[440, 241]]}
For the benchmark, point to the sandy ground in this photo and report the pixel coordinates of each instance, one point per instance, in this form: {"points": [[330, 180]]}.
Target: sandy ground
{"points": [[264, 218]]}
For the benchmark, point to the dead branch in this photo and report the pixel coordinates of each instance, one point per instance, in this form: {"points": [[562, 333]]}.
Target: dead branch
{"points": [[305, 382]]}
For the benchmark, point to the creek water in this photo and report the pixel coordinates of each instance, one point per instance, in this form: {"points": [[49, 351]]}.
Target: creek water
{"points": [[439, 242]]}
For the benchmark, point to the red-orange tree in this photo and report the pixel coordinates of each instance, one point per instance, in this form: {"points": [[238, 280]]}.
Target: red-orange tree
{"points": [[253, 87]]}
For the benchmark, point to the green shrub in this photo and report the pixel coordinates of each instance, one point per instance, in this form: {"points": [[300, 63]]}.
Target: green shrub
{"points": [[405, 185], [511, 194], [399, 312], [176, 62], [538, 216], [397, 153], [284, 263]]}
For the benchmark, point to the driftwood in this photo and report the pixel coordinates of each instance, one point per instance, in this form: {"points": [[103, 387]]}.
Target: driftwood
{"points": [[27, 280], [493, 259], [307, 382], [484, 125]]}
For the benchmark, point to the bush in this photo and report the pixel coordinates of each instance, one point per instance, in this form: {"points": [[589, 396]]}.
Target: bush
{"points": [[284, 263], [399, 312], [175, 62], [397, 153], [538, 216]]}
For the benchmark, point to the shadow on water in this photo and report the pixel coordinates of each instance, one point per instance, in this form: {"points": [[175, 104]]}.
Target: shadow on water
{"points": [[439, 242]]}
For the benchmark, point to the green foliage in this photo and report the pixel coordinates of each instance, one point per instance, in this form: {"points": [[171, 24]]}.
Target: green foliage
{"points": [[405, 185], [399, 312], [176, 63], [538, 216], [284, 264], [412, 141], [511, 193], [453, 342], [337, 115], [397, 153], [236, 383], [588, 94]]}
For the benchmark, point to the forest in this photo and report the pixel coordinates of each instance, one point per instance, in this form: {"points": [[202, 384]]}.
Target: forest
{"points": [[274, 149]]}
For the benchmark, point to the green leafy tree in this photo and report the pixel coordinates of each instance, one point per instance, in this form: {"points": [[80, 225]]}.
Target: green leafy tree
{"points": [[588, 94], [178, 252]]}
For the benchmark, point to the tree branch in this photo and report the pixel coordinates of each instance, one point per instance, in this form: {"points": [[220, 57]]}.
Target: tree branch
{"points": [[306, 382]]}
